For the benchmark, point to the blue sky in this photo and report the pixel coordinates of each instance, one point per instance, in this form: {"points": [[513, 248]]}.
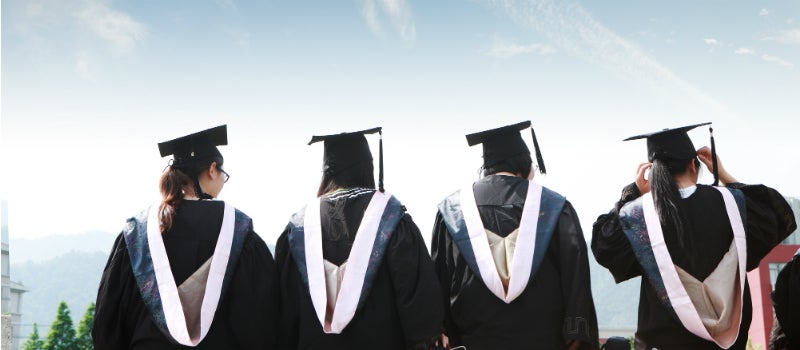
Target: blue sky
{"points": [[90, 86]]}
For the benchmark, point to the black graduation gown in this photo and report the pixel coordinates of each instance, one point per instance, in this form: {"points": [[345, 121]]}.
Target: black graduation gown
{"points": [[768, 221], [554, 308], [247, 314], [786, 300], [403, 309]]}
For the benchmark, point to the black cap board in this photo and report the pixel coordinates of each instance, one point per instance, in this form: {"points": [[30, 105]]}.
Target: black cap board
{"points": [[345, 150], [675, 144], [193, 147], [669, 143], [505, 142]]}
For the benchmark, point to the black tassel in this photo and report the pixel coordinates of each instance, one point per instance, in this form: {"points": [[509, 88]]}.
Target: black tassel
{"points": [[714, 169], [380, 161], [539, 160]]}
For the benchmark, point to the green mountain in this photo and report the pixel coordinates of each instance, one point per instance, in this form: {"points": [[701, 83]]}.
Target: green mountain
{"points": [[72, 277], [617, 305], [43, 249]]}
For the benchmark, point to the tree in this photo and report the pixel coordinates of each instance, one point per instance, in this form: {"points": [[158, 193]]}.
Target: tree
{"points": [[84, 338], [33, 342], [61, 335]]}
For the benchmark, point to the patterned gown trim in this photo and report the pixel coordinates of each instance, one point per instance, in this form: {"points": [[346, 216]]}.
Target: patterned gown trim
{"points": [[389, 220], [135, 234], [550, 209], [633, 225]]}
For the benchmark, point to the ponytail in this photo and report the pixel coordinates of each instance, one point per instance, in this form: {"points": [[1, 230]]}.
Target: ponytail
{"points": [[666, 197], [172, 184], [176, 182]]}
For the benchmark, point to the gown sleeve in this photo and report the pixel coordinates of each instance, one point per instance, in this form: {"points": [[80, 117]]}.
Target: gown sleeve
{"points": [[769, 221], [580, 319], [786, 300], [443, 256], [417, 295], [610, 246], [110, 330], [288, 328], [254, 296]]}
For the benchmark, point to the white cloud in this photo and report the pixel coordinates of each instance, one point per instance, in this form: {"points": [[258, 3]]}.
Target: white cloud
{"points": [[77, 34], [574, 31], [240, 38], [763, 12], [369, 9], [506, 49], [765, 57], [83, 65], [243, 40], [790, 36], [398, 12], [777, 60], [226, 4], [119, 29], [711, 41]]}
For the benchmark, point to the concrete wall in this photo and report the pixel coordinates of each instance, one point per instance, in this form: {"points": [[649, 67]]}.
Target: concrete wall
{"points": [[6, 343]]}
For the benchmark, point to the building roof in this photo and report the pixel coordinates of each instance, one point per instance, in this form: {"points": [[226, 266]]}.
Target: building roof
{"points": [[18, 287]]}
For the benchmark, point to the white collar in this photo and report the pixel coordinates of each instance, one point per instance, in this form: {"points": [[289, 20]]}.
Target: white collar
{"points": [[687, 191]]}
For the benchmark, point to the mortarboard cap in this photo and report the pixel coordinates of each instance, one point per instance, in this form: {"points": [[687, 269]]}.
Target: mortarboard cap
{"points": [[676, 144], [345, 150], [194, 147], [505, 142], [669, 143]]}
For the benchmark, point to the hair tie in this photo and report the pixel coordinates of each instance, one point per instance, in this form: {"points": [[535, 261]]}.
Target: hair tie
{"points": [[169, 165]]}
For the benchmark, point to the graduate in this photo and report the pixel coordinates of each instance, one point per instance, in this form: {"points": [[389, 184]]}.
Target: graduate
{"points": [[691, 243], [786, 300], [354, 269], [189, 272], [511, 257]]}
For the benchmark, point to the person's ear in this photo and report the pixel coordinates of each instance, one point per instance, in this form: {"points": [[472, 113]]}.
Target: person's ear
{"points": [[212, 170]]}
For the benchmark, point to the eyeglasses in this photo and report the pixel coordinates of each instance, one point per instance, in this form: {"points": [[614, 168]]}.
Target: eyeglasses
{"points": [[227, 177]]}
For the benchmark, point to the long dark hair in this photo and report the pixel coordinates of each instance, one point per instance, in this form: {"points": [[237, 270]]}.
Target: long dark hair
{"points": [[358, 175], [666, 196], [175, 183], [519, 164]]}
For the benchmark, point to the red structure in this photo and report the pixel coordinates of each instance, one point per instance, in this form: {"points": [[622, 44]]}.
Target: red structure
{"points": [[760, 281]]}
